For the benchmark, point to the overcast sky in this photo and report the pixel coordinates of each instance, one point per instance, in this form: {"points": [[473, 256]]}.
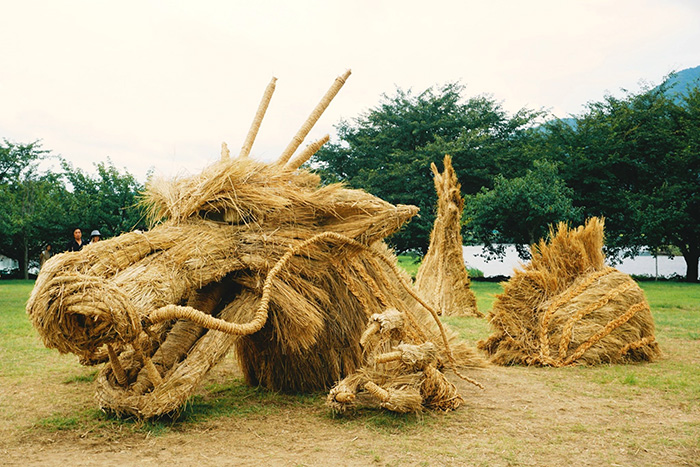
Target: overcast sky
{"points": [[160, 84]]}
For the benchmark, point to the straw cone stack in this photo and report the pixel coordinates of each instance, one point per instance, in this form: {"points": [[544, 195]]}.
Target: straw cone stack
{"points": [[442, 277]]}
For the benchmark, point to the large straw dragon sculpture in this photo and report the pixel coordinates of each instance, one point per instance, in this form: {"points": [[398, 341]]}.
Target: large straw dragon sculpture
{"points": [[263, 258]]}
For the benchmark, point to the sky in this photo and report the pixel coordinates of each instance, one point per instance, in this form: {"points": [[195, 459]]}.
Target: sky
{"points": [[158, 85]]}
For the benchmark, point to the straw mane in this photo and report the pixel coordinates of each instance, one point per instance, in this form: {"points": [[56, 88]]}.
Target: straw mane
{"points": [[442, 277], [249, 256], [567, 307]]}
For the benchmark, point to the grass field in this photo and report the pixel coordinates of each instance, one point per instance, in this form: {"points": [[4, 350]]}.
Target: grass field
{"points": [[647, 414]]}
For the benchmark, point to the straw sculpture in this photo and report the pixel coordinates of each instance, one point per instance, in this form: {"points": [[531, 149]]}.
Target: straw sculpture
{"points": [[567, 307], [442, 277], [246, 255]]}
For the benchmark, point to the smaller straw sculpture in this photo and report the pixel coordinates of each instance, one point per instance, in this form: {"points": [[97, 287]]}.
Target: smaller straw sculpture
{"points": [[567, 307], [442, 277]]}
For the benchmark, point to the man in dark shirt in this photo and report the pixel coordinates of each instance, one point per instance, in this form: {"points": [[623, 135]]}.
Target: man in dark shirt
{"points": [[77, 243]]}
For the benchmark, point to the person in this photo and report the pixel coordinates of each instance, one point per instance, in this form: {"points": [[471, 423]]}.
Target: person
{"points": [[45, 255], [95, 236], [77, 243]]}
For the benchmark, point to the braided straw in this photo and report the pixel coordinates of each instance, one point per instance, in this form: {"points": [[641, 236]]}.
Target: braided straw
{"points": [[371, 283], [611, 326], [637, 345], [568, 329], [546, 317], [352, 285]]}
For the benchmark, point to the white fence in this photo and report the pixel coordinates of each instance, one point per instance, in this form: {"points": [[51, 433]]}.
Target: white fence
{"points": [[645, 264]]}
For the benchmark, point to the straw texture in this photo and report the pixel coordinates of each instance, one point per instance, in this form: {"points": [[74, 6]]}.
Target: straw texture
{"points": [[260, 258], [566, 307]]}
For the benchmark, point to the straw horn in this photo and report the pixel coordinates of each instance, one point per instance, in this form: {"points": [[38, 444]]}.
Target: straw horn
{"points": [[306, 154], [313, 118], [255, 126]]}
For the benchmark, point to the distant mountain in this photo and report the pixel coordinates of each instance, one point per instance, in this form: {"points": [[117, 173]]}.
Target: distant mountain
{"points": [[680, 82], [677, 84]]}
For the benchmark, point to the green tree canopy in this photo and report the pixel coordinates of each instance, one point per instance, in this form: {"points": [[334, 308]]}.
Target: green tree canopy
{"points": [[40, 207], [520, 210], [388, 150], [106, 201], [33, 203], [636, 161]]}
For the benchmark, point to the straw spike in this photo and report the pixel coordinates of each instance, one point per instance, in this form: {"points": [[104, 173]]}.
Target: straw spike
{"points": [[306, 154], [225, 153], [255, 126], [313, 118]]}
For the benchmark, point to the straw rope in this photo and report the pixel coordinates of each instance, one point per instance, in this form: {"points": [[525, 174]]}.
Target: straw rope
{"points": [[567, 331], [544, 327], [313, 118], [376, 391], [388, 357], [637, 345], [611, 326], [257, 120], [371, 330]]}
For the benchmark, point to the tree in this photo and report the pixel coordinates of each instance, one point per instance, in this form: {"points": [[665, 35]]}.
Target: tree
{"points": [[388, 150], [39, 208], [18, 158], [33, 203], [107, 201], [636, 161], [519, 210]]}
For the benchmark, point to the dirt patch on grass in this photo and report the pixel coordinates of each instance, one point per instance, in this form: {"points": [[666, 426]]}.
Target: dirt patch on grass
{"points": [[526, 416]]}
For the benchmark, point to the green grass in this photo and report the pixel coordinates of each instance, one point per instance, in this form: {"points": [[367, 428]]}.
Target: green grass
{"points": [[410, 264], [21, 352], [675, 306]]}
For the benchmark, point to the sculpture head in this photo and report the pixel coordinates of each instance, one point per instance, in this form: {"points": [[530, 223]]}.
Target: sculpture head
{"points": [[234, 220]]}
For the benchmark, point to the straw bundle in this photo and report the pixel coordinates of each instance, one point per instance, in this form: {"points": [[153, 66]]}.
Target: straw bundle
{"points": [[246, 255], [566, 307], [442, 277]]}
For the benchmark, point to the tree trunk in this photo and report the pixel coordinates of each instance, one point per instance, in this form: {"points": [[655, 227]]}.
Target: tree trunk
{"points": [[24, 267], [691, 256]]}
